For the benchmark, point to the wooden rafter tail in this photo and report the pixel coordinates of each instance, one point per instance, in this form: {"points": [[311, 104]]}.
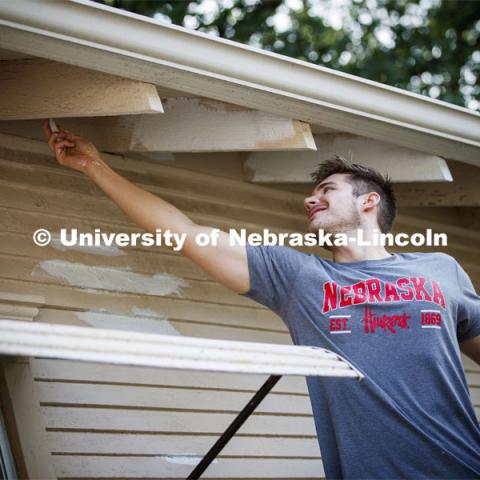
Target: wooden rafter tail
{"points": [[36, 89], [402, 164]]}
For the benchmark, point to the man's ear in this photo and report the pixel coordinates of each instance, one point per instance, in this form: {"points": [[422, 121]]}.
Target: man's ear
{"points": [[370, 200]]}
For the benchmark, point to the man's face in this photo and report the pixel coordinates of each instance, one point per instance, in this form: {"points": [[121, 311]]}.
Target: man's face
{"points": [[332, 206]]}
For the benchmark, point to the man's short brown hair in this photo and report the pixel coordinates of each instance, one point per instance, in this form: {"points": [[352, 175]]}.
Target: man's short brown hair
{"points": [[364, 180]]}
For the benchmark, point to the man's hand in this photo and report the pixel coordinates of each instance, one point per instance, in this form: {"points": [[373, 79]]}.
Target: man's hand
{"points": [[71, 150]]}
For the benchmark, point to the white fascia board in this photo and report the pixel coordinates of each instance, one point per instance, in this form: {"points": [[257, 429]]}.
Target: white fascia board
{"points": [[122, 43], [165, 351]]}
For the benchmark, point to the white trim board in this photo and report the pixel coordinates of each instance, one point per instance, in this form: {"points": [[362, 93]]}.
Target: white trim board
{"points": [[204, 125], [165, 351], [402, 164]]}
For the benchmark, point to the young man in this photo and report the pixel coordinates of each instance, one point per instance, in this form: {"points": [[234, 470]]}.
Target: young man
{"points": [[401, 319]]}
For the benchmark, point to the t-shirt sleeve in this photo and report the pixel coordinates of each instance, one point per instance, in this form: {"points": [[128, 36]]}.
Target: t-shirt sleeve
{"points": [[272, 271], [468, 321]]}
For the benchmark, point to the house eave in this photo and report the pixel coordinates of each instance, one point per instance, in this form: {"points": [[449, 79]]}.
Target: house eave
{"points": [[94, 36]]}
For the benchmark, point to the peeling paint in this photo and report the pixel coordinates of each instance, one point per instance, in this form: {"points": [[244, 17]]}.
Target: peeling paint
{"points": [[112, 279], [267, 130], [145, 312], [109, 251], [184, 459], [132, 323], [213, 105]]}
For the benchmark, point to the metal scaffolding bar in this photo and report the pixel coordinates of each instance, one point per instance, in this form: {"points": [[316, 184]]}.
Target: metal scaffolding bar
{"points": [[234, 427]]}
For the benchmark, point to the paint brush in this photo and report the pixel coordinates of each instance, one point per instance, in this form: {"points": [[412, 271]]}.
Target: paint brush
{"points": [[53, 125]]}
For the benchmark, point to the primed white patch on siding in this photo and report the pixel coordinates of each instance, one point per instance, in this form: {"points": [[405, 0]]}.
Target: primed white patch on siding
{"points": [[109, 251], [145, 312], [129, 323], [184, 459], [113, 279]]}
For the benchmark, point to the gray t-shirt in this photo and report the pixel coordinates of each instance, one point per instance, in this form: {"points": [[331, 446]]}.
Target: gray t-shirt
{"points": [[398, 320]]}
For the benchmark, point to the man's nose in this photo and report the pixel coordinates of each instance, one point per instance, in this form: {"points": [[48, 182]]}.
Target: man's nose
{"points": [[310, 201]]}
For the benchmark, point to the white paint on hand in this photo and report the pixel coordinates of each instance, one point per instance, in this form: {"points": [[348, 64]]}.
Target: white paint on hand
{"points": [[159, 325], [112, 279]]}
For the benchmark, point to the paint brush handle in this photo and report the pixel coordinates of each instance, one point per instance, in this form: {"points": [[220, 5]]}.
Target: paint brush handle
{"points": [[53, 125]]}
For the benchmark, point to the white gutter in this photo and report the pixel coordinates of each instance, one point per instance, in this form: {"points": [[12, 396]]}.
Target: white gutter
{"points": [[118, 42], [165, 351]]}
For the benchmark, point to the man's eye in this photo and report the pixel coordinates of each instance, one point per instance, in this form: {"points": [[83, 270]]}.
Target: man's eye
{"points": [[326, 189]]}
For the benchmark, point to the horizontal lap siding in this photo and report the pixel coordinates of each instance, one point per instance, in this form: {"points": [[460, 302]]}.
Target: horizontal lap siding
{"points": [[111, 421], [106, 420]]}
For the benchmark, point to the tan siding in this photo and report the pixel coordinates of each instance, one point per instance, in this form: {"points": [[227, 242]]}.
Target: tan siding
{"points": [[240, 445], [141, 467], [96, 418], [165, 398], [49, 370], [106, 420]]}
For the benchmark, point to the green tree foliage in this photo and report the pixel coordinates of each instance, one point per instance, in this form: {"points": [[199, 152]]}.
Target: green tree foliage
{"points": [[429, 47]]}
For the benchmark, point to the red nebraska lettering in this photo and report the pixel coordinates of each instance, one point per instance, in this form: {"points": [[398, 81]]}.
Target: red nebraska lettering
{"points": [[359, 293], [374, 291], [437, 294], [344, 300], [374, 287], [419, 286], [402, 284], [329, 296], [391, 293]]}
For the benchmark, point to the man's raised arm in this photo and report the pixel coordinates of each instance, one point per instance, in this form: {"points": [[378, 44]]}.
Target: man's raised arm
{"points": [[225, 263]]}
